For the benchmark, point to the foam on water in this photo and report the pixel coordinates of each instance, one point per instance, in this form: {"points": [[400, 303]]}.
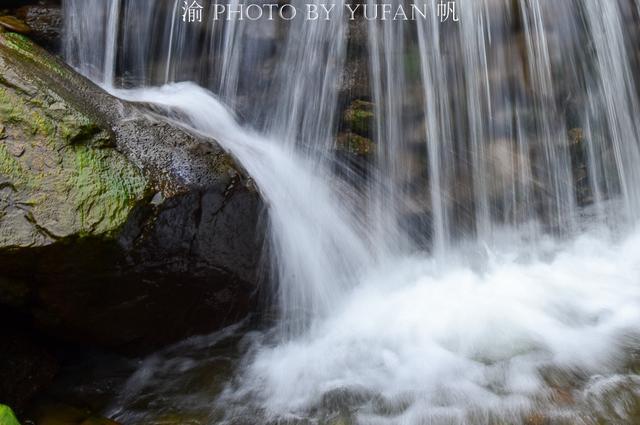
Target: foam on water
{"points": [[461, 339]]}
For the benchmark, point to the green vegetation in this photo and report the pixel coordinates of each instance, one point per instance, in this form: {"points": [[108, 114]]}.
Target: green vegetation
{"points": [[7, 417]]}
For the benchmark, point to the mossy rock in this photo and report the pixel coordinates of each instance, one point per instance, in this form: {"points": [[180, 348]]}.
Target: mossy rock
{"points": [[59, 176], [7, 417], [354, 144], [359, 118], [576, 136]]}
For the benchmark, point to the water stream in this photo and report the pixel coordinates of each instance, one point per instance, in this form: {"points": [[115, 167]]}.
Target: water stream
{"points": [[484, 268]]}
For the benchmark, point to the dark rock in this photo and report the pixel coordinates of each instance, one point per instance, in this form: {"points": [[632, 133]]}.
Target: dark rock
{"points": [[58, 414], [45, 21], [25, 367], [18, 3], [355, 76]]}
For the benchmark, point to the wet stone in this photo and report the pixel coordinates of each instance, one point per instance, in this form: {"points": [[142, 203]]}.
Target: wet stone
{"points": [[14, 24]]}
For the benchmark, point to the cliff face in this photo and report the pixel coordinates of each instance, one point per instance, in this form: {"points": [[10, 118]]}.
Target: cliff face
{"points": [[116, 229]]}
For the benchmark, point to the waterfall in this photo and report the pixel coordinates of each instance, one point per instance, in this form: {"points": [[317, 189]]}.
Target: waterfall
{"points": [[91, 33], [491, 238], [303, 101]]}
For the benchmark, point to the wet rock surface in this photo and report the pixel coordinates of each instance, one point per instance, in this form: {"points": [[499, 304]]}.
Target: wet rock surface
{"points": [[45, 23], [11, 23]]}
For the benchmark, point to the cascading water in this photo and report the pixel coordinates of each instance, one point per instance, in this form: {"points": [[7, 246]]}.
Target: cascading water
{"points": [[477, 271]]}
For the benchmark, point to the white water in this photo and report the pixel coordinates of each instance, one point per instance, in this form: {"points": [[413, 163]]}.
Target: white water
{"points": [[523, 297], [462, 343]]}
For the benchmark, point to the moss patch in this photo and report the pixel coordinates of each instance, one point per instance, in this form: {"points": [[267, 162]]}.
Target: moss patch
{"points": [[7, 417], [23, 46], [359, 117]]}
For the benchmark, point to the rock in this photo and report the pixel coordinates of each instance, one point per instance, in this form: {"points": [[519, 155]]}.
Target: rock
{"points": [[7, 417], [182, 418], [57, 185], [354, 144], [580, 166], [354, 147], [68, 415], [115, 229], [359, 118], [353, 153], [11, 23], [45, 21], [355, 76], [26, 367]]}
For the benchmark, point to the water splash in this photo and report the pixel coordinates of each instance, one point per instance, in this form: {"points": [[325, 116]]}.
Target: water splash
{"points": [[414, 343]]}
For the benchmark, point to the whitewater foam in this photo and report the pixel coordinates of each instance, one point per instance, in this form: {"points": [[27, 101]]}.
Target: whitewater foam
{"points": [[462, 343]]}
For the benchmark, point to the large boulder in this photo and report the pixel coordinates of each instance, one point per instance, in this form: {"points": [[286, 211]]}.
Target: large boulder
{"points": [[115, 229]]}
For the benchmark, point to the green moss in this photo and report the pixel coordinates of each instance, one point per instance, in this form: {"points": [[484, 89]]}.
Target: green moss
{"points": [[359, 117], [79, 128], [10, 113], [9, 166], [25, 47], [7, 417], [15, 110], [107, 187], [43, 126]]}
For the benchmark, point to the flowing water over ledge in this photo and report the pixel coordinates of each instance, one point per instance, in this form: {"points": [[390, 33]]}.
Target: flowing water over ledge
{"points": [[514, 298]]}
